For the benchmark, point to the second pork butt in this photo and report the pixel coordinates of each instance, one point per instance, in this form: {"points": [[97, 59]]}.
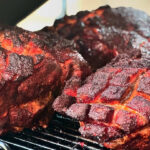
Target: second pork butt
{"points": [[113, 105], [102, 34]]}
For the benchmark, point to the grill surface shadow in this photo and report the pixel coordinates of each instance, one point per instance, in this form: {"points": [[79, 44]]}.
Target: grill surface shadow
{"points": [[62, 134]]}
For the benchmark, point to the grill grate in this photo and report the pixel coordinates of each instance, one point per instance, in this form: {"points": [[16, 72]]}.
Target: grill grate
{"points": [[61, 134]]}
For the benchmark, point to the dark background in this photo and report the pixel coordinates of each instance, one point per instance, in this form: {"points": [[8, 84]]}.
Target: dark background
{"points": [[13, 11]]}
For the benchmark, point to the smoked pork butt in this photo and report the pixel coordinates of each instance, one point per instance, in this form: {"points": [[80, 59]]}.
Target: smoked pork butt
{"points": [[34, 69], [113, 105], [102, 34]]}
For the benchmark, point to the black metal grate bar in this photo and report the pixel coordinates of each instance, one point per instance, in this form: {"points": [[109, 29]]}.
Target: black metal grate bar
{"points": [[62, 134]]}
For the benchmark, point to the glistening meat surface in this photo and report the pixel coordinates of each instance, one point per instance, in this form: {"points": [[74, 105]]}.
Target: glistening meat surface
{"points": [[113, 105]]}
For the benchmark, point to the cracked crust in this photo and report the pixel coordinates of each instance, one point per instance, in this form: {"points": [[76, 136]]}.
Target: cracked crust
{"points": [[115, 113], [34, 69]]}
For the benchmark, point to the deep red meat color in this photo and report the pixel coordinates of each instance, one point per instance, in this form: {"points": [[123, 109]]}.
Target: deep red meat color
{"points": [[102, 34], [112, 104], [34, 68]]}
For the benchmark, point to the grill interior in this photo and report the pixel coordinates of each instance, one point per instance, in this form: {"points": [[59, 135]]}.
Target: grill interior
{"points": [[62, 134]]}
